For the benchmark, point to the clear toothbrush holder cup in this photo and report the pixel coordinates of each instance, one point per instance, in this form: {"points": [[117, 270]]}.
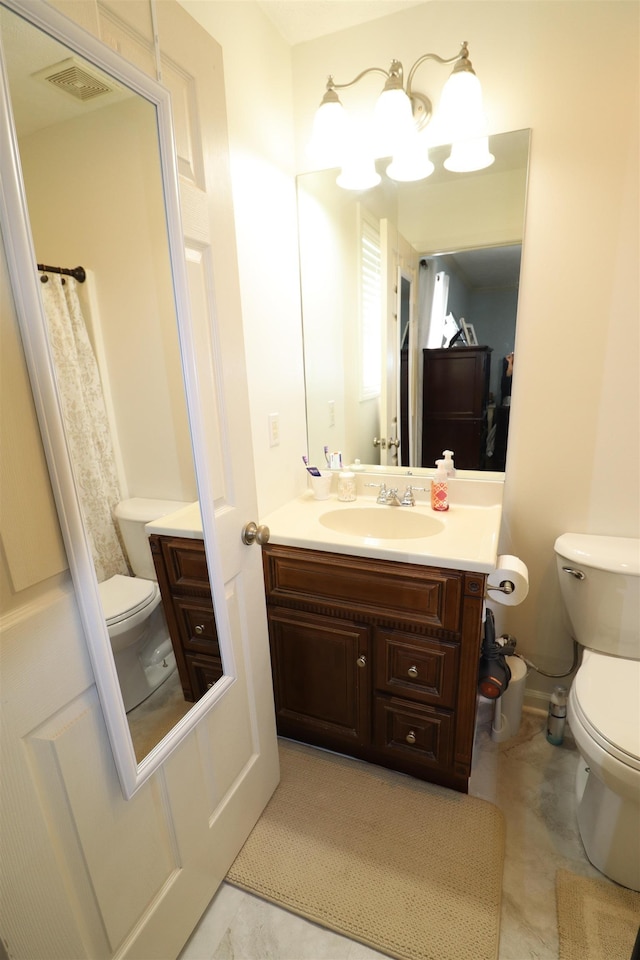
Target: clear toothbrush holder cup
{"points": [[321, 486]]}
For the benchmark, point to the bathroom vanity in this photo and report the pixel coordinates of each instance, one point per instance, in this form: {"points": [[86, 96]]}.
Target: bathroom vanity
{"points": [[376, 659], [374, 615], [375, 626], [183, 579]]}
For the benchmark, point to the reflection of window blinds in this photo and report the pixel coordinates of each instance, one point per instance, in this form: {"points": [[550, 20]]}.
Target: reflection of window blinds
{"points": [[370, 310]]}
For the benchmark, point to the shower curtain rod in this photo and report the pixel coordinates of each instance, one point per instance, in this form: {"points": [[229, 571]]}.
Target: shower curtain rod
{"points": [[78, 273]]}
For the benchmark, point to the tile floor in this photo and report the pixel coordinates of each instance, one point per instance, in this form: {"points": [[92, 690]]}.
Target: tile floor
{"points": [[530, 780]]}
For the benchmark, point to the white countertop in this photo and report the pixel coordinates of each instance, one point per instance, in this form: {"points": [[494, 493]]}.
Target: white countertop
{"points": [[468, 539], [186, 522]]}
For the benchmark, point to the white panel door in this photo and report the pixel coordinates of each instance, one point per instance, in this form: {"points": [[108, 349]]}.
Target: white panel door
{"points": [[132, 877]]}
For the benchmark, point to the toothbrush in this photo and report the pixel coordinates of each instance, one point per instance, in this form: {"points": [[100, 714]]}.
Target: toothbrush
{"points": [[312, 470], [326, 454]]}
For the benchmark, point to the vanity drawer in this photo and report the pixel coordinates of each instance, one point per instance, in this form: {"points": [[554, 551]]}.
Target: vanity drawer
{"points": [[197, 625], [420, 668], [414, 734], [185, 563], [203, 672], [382, 589]]}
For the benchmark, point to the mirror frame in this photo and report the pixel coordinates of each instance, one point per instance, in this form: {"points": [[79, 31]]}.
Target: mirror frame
{"points": [[21, 260]]}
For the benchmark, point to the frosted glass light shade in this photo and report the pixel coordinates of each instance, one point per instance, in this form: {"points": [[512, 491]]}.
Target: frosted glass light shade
{"points": [[330, 127], [468, 155], [461, 113], [393, 120], [411, 163]]}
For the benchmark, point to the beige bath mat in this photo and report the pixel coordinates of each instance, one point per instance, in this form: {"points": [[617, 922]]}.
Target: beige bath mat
{"points": [[597, 920], [411, 869]]}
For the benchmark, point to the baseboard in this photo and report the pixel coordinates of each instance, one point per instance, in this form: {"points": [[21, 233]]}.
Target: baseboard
{"points": [[536, 700]]}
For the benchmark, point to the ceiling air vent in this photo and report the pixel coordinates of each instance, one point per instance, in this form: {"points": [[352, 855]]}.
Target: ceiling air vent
{"points": [[75, 79]]}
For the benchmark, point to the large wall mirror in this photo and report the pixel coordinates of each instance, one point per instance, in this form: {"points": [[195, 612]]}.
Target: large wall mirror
{"points": [[409, 302], [91, 142]]}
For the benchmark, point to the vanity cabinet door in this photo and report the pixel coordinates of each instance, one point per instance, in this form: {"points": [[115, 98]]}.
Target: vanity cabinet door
{"points": [[322, 677]]}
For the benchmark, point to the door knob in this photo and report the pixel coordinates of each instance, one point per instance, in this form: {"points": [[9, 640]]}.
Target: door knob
{"points": [[361, 661], [252, 532], [380, 443], [393, 443]]}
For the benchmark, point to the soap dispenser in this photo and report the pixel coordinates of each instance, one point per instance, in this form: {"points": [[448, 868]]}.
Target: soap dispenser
{"points": [[440, 488], [448, 463]]}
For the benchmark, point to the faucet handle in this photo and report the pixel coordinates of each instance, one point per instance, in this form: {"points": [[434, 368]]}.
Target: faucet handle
{"points": [[408, 499], [382, 496]]}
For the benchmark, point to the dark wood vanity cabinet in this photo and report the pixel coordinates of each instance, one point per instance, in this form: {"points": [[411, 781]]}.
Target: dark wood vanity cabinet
{"points": [[183, 579], [455, 395], [376, 659]]}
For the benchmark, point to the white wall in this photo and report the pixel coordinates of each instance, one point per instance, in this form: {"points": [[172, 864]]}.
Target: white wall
{"points": [[569, 71], [257, 73]]}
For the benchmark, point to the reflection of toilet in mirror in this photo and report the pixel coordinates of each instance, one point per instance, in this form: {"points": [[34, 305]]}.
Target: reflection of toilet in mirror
{"points": [[136, 623]]}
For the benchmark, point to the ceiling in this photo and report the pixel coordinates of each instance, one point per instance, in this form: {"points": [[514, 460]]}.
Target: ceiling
{"points": [[301, 20]]}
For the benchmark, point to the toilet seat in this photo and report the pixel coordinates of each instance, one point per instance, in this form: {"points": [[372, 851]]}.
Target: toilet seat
{"points": [[606, 704], [122, 597]]}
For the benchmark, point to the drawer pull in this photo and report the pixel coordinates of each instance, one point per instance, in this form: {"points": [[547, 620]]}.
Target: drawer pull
{"points": [[199, 629], [361, 661], [413, 671], [411, 737]]}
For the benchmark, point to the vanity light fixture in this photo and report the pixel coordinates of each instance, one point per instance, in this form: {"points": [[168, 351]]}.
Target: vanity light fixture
{"points": [[399, 121]]}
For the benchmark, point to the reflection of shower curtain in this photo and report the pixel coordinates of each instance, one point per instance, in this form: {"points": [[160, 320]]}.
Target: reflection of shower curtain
{"points": [[85, 422]]}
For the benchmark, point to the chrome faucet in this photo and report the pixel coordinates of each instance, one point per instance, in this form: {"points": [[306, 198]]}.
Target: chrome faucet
{"points": [[390, 496], [393, 500]]}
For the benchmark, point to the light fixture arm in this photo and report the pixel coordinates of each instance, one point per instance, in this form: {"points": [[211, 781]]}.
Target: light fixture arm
{"points": [[332, 85], [461, 61]]}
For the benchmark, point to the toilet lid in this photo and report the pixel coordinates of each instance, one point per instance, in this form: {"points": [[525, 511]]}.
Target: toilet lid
{"points": [[607, 690], [123, 596]]}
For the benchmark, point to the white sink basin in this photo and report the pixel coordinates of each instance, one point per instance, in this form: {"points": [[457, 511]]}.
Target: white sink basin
{"points": [[382, 523]]}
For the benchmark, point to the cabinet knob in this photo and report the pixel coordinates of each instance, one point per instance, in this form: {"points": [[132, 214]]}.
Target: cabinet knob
{"points": [[411, 737], [361, 661], [413, 671], [199, 629]]}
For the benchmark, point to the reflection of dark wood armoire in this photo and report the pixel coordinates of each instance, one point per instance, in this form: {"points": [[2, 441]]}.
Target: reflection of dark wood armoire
{"points": [[455, 392]]}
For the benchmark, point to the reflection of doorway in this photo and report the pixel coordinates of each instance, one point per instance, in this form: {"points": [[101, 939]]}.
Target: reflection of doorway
{"points": [[404, 407], [397, 401]]}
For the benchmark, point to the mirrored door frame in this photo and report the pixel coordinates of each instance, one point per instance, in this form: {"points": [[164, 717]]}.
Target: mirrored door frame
{"points": [[14, 219]]}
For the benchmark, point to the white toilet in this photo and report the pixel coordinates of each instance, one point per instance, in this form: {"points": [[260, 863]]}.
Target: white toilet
{"points": [[136, 624], [600, 584]]}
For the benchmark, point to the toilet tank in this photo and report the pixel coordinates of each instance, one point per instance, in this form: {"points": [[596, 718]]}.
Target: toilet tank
{"points": [[602, 594], [131, 516]]}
